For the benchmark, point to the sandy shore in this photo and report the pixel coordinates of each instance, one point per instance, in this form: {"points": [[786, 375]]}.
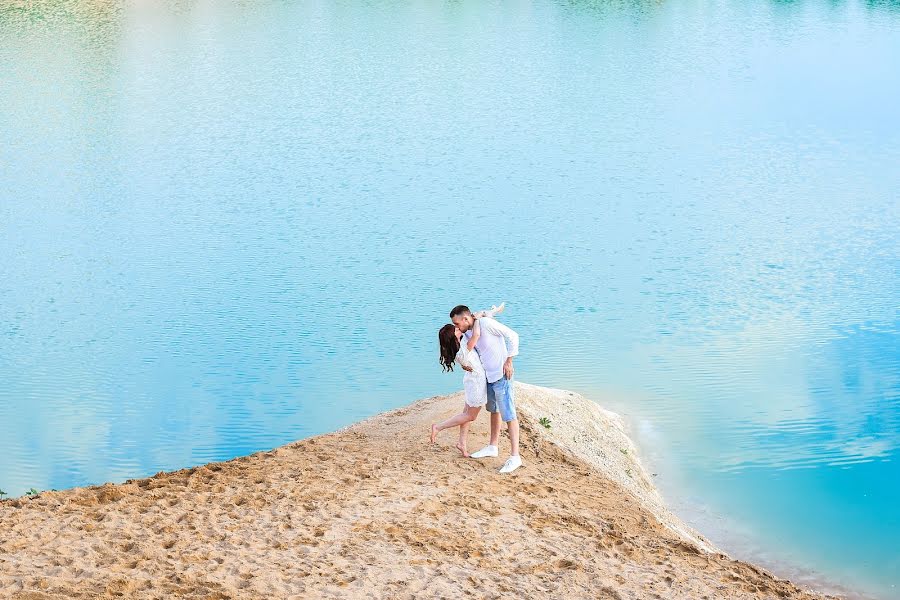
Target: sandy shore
{"points": [[373, 511]]}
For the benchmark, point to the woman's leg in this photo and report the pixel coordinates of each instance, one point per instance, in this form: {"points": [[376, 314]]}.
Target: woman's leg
{"points": [[463, 436], [462, 443], [466, 416], [492, 312]]}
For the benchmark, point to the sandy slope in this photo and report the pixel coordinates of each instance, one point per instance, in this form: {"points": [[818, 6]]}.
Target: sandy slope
{"points": [[373, 511]]}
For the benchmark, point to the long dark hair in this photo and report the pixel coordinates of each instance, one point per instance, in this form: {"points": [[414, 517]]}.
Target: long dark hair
{"points": [[449, 345]]}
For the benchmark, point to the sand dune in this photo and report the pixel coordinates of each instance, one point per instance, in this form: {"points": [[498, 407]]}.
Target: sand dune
{"points": [[374, 511]]}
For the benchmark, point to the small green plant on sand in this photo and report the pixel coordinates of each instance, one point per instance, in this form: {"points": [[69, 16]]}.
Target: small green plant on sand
{"points": [[624, 451], [628, 472], [32, 492], [545, 422]]}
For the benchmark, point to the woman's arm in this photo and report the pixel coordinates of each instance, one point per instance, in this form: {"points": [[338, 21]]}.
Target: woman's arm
{"points": [[476, 333]]}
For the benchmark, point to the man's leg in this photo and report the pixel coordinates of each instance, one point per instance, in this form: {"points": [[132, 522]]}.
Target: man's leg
{"points": [[495, 429], [506, 405], [491, 449], [493, 399], [513, 429]]}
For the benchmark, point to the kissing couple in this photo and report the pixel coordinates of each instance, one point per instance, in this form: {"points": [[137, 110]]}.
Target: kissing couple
{"points": [[484, 348]]}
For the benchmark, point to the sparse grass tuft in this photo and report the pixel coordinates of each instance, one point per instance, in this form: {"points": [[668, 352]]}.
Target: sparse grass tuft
{"points": [[545, 422]]}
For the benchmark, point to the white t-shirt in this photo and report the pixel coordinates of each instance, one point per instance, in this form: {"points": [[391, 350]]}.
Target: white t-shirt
{"points": [[497, 342]]}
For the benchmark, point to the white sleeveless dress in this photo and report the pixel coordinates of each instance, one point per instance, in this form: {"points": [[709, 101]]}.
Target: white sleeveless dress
{"points": [[474, 381]]}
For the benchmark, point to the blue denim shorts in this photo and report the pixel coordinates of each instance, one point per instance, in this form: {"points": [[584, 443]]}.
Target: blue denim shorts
{"points": [[500, 398]]}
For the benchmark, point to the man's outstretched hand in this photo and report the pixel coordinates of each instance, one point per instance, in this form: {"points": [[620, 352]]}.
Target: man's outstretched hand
{"points": [[508, 369]]}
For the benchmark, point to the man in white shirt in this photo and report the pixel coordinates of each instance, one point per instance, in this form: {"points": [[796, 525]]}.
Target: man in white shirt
{"points": [[496, 347]]}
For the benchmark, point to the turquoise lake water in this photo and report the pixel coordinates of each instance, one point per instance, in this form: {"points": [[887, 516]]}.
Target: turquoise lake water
{"points": [[226, 226]]}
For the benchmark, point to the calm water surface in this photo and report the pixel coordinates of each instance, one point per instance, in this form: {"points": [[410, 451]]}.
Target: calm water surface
{"points": [[226, 226]]}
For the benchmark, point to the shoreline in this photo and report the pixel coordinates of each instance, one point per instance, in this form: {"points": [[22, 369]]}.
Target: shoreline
{"points": [[728, 535], [372, 510]]}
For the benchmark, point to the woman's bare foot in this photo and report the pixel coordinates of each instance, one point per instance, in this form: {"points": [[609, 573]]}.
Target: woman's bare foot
{"points": [[434, 432], [498, 309], [462, 449]]}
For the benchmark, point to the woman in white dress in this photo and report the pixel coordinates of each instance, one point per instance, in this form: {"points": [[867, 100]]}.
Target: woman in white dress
{"points": [[474, 381]]}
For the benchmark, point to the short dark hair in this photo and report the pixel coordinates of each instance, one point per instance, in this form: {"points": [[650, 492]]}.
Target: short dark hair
{"points": [[462, 309]]}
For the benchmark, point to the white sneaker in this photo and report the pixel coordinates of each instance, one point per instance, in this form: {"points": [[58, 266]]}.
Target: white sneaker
{"points": [[512, 463], [486, 452]]}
